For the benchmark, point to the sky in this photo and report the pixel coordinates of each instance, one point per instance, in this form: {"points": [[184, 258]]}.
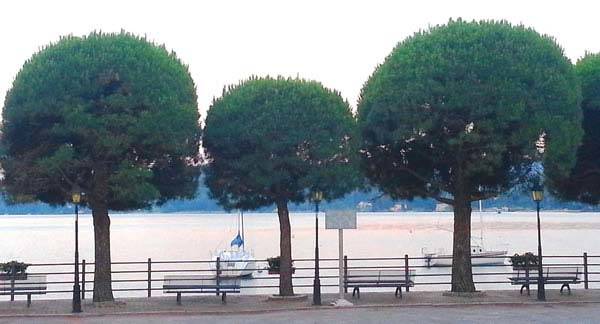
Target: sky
{"points": [[338, 43]]}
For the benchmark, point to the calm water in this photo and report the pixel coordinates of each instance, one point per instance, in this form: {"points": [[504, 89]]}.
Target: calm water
{"points": [[190, 236]]}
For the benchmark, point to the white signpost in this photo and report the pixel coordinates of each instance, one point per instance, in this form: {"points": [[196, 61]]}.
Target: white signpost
{"points": [[340, 220]]}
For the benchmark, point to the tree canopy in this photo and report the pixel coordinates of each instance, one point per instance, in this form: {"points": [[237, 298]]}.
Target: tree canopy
{"points": [[584, 182], [454, 113], [273, 141], [278, 139], [112, 115], [106, 101]]}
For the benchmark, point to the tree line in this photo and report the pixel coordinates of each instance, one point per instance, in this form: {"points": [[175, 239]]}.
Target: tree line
{"points": [[459, 112]]}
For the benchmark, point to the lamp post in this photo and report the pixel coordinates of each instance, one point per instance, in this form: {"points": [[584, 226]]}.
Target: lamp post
{"points": [[317, 197], [537, 194], [76, 198]]}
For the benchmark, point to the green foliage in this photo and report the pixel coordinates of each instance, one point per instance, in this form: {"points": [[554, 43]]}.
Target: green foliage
{"points": [[270, 140], [527, 259], [584, 182], [13, 268], [457, 109], [112, 113], [274, 263], [588, 70]]}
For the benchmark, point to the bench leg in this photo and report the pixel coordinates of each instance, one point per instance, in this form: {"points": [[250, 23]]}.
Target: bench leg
{"points": [[398, 292], [179, 299], [525, 286], [29, 300], [356, 291], [224, 297], [565, 286]]}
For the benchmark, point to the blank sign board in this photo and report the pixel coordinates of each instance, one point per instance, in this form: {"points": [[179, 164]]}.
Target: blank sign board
{"points": [[340, 219]]}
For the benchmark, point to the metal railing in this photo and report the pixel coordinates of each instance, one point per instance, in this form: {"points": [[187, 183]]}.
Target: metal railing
{"points": [[145, 278]]}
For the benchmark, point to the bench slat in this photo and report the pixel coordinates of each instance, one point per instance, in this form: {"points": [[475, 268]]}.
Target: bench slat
{"points": [[199, 284], [33, 284]]}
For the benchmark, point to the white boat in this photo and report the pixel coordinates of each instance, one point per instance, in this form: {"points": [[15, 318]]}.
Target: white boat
{"points": [[479, 255], [236, 261]]}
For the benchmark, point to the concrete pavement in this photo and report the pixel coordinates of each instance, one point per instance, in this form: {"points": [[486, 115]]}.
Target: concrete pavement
{"points": [[373, 307], [554, 313]]}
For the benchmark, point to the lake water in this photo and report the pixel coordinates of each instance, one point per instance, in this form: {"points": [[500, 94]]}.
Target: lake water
{"points": [[192, 236]]}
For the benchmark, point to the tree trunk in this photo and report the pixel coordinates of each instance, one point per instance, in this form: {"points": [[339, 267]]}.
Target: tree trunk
{"points": [[462, 274], [102, 269], [285, 249]]}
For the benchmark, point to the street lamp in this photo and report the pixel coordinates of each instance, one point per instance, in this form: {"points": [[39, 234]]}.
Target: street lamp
{"points": [[537, 194], [76, 198], [317, 197]]}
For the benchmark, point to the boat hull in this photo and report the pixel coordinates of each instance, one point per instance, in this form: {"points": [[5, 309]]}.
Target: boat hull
{"points": [[237, 269], [477, 259], [234, 264]]}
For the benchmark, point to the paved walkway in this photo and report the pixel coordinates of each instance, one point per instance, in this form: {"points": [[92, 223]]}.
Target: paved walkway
{"points": [[417, 304], [553, 313]]}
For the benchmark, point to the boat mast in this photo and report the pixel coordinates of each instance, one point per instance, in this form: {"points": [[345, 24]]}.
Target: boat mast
{"points": [[481, 223], [243, 240]]}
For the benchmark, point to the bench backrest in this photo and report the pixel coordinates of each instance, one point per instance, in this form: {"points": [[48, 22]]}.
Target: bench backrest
{"points": [[561, 272], [379, 275], [396, 274], [191, 281], [362, 276], [549, 272], [32, 283]]}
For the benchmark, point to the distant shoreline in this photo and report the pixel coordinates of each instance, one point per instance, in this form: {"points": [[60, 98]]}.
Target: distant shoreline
{"points": [[86, 213]]}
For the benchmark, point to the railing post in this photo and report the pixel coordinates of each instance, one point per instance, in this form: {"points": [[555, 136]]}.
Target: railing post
{"points": [[218, 273], [345, 274], [527, 273], [406, 273], [12, 283], [149, 277], [585, 270], [83, 279]]}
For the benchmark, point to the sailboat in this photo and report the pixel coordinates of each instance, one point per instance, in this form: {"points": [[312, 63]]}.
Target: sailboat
{"points": [[479, 255], [235, 261]]}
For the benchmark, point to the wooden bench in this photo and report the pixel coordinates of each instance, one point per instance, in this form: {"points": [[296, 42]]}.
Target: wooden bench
{"points": [[564, 276], [200, 284], [376, 278], [33, 285]]}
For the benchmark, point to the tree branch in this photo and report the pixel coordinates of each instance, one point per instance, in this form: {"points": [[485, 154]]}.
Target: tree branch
{"points": [[437, 197], [377, 197], [444, 200], [438, 185]]}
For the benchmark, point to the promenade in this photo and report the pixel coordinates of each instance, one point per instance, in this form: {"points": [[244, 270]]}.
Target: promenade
{"points": [[587, 313], [377, 307]]}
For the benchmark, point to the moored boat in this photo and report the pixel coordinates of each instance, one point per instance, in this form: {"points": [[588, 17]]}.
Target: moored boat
{"points": [[236, 261], [479, 256]]}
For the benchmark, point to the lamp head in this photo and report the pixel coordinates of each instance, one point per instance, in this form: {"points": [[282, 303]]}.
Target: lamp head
{"points": [[317, 196], [76, 195], [537, 193]]}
